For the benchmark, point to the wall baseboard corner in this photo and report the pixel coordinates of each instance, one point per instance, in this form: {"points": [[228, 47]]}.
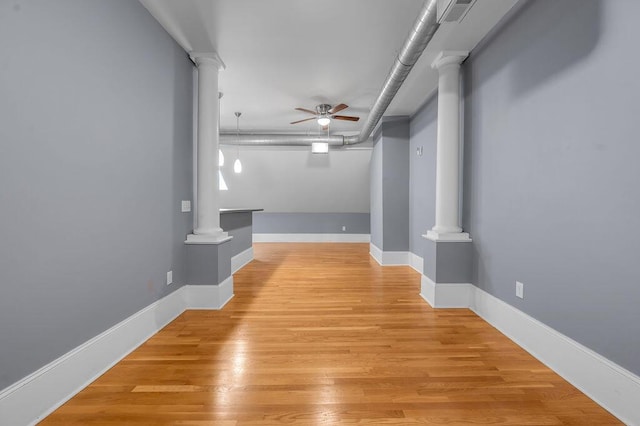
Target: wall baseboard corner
{"points": [[449, 295], [212, 297], [241, 259], [390, 258]]}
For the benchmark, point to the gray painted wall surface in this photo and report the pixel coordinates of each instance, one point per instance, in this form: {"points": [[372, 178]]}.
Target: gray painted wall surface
{"points": [[293, 180], [239, 226], [208, 264], [390, 185], [422, 182], [95, 156], [551, 188], [447, 262], [375, 182], [395, 182], [310, 223]]}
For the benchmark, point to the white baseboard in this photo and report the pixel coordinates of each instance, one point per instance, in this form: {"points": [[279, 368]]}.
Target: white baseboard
{"points": [[376, 253], [390, 258], [210, 296], [39, 394], [613, 387], [241, 259], [311, 238], [415, 262], [453, 295]]}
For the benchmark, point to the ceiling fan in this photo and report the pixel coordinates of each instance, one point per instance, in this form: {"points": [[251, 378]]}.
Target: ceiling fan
{"points": [[324, 113]]}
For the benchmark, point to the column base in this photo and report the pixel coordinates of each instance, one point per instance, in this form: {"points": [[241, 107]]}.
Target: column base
{"points": [[208, 238], [447, 236]]}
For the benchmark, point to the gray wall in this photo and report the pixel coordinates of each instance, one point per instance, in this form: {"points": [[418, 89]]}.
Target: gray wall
{"points": [[422, 169], [375, 185], [390, 185], [293, 180], [395, 181], [447, 262], [310, 223], [208, 264], [95, 156], [551, 187], [239, 226]]}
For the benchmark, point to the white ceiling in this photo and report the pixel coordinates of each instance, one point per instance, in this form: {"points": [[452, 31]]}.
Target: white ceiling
{"points": [[282, 54]]}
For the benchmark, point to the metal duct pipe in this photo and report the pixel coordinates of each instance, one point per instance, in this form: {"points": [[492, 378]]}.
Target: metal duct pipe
{"points": [[249, 139], [420, 35]]}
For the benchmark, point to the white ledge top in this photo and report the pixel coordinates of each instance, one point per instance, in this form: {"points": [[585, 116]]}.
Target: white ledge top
{"points": [[458, 237], [207, 239], [240, 210]]}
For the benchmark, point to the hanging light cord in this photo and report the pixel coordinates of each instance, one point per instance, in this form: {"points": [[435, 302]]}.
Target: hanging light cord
{"points": [[238, 132]]}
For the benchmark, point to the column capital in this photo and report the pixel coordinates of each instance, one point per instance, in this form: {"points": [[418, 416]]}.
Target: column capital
{"points": [[207, 58], [449, 57]]}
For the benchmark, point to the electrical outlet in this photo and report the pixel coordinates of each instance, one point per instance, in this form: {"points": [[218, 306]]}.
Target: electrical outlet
{"points": [[169, 277], [344, 228], [519, 290], [186, 206]]}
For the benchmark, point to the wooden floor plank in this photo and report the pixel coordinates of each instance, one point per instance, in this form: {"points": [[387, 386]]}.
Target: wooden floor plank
{"points": [[320, 334]]}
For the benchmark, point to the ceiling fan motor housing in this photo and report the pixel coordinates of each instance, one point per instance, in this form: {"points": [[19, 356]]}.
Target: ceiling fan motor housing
{"points": [[323, 109]]}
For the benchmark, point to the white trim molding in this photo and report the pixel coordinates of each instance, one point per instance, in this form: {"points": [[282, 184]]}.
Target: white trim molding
{"points": [[210, 296], [416, 262], [311, 238], [449, 295], [39, 394], [390, 258], [613, 387], [241, 259], [36, 396], [376, 253], [608, 384]]}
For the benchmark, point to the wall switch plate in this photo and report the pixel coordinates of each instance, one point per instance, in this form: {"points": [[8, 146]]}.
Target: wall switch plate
{"points": [[344, 228], [169, 277], [186, 206], [519, 290]]}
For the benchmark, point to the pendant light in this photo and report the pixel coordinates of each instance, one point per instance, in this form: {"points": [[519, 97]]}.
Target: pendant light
{"points": [[237, 165]]}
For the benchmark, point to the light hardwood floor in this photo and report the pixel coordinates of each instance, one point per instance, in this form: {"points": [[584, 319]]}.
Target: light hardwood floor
{"points": [[321, 334]]}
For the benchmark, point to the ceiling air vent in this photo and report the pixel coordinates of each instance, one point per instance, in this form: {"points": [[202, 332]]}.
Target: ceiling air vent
{"points": [[453, 10]]}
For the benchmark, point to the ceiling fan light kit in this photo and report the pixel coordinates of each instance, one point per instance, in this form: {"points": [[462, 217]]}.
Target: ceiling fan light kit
{"points": [[324, 121], [324, 113]]}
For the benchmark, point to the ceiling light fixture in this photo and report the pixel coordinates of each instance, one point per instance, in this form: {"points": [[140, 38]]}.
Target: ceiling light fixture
{"points": [[324, 121], [320, 147], [237, 165]]}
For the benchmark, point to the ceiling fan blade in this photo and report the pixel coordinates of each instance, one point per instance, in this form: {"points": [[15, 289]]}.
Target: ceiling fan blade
{"points": [[300, 121], [337, 108], [346, 117], [306, 110]]}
